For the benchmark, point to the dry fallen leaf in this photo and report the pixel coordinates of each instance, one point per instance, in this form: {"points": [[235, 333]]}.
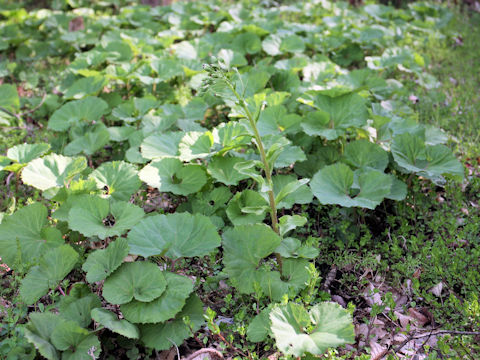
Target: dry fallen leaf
{"points": [[205, 354], [417, 315], [437, 289], [76, 24]]}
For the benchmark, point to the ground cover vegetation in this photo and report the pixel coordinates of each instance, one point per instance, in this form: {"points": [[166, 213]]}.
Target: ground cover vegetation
{"points": [[245, 180]]}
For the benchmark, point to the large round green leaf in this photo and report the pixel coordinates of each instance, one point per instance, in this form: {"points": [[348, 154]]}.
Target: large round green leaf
{"points": [[101, 263], [52, 171], [244, 247], [95, 138], [24, 236], [141, 280], [195, 145], [163, 336], [53, 267], [38, 332], [159, 146], [171, 175], [432, 162], [222, 169], [174, 235], [24, 153], [364, 154], [91, 215], [163, 308], [331, 327], [334, 184], [119, 178], [88, 109], [76, 341], [111, 322], [334, 114], [247, 207], [91, 85]]}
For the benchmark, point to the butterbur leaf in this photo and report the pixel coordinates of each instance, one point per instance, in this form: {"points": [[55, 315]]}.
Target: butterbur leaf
{"points": [[432, 162], [364, 154], [167, 68], [52, 171], [174, 235], [173, 176], [141, 280], [294, 277], [24, 236], [164, 307], [24, 153], [222, 169], [334, 114], [101, 263], [247, 207], [244, 247], [288, 191], [159, 146], [111, 322], [93, 216], [53, 267], [398, 191], [333, 184], [290, 222], [91, 85], [69, 336], [195, 145], [119, 178], [90, 142], [86, 110], [259, 327], [77, 308], [38, 332], [331, 327], [162, 336], [293, 248], [9, 97]]}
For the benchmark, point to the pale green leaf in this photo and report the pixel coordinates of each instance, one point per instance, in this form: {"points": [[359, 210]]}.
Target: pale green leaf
{"points": [[163, 308], [53, 267], [334, 184], [163, 336], [24, 153], [101, 263], [244, 247], [94, 216], [78, 111], [120, 179], [171, 175], [174, 235], [24, 236], [332, 327], [52, 171], [140, 280], [111, 322], [222, 169]]}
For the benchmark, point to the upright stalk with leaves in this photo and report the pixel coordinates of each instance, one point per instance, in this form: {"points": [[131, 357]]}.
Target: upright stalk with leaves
{"points": [[218, 77]]}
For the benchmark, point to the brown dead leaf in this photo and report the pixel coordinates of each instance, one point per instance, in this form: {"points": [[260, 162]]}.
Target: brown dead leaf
{"points": [[76, 24], [377, 351], [437, 289], [167, 354], [417, 315], [205, 354]]}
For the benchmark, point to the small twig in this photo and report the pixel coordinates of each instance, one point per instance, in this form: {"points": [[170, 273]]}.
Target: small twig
{"points": [[453, 332], [36, 107], [176, 347], [61, 290]]}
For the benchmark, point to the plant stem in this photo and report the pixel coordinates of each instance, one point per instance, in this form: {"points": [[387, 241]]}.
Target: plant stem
{"points": [[263, 156]]}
